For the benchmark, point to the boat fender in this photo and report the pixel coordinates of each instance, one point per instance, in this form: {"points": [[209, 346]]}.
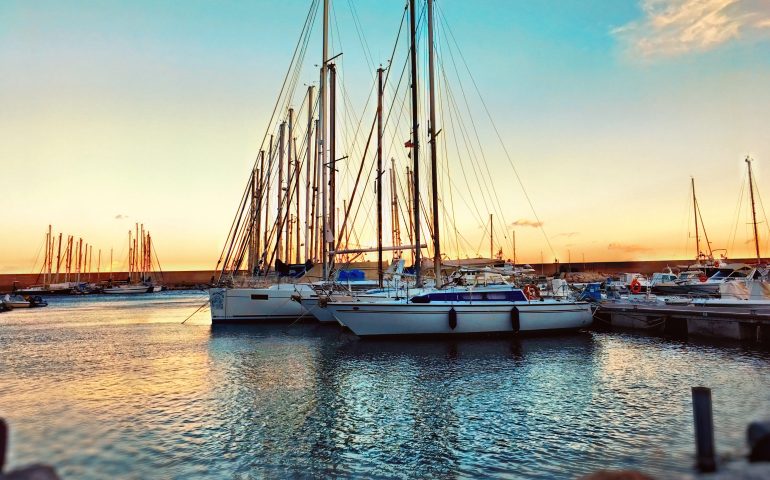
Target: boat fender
{"points": [[702, 277], [515, 325], [452, 318], [296, 296]]}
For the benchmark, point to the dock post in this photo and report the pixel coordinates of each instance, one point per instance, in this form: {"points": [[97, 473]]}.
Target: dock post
{"points": [[704, 429], [3, 443]]}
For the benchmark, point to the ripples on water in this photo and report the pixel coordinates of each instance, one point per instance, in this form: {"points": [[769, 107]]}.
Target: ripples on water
{"points": [[116, 387]]}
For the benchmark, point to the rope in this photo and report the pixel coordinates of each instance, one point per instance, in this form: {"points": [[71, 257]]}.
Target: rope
{"points": [[196, 311]]}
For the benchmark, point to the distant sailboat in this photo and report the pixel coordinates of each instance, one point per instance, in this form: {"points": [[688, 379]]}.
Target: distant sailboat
{"points": [[140, 267]]}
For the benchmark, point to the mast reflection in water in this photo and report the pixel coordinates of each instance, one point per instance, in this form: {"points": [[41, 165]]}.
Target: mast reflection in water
{"points": [[118, 388]]}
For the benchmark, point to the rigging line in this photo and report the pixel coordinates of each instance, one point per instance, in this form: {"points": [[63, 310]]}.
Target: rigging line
{"points": [[307, 27], [761, 205], [494, 199], [239, 236], [500, 138], [374, 122], [447, 171], [737, 211], [465, 175]]}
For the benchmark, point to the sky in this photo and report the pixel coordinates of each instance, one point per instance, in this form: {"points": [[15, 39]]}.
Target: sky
{"points": [[113, 113]]}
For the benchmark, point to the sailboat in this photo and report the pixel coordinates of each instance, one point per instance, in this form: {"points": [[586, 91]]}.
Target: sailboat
{"points": [[140, 267], [489, 309]]}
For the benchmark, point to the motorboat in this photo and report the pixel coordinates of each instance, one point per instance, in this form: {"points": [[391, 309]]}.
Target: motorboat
{"points": [[13, 301]]}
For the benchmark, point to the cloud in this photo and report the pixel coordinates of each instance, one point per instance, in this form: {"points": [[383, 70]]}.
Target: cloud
{"points": [[526, 223], [566, 234], [120, 216], [628, 248], [676, 27]]}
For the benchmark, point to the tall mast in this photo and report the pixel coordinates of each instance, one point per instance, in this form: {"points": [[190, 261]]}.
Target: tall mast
{"points": [[312, 211], [432, 142], [322, 139], [415, 144], [267, 200], [491, 239], [253, 216], [514, 248], [258, 218], [58, 259], [99, 265], [379, 176], [289, 183], [308, 169], [279, 219], [753, 210], [332, 159], [695, 216], [297, 176]]}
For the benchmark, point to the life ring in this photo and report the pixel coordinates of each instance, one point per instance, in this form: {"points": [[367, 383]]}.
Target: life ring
{"points": [[716, 263], [532, 292], [703, 277], [636, 286]]}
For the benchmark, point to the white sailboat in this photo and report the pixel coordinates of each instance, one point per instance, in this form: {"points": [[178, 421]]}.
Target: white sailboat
{"points": [[495, 309]]}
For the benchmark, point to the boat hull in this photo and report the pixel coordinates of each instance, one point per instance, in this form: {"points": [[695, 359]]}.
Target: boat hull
{"points": [[398, 318], [258, 305], [128, 290]]}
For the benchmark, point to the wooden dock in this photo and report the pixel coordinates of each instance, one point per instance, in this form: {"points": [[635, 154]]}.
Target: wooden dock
{"points": [[734, 323]]}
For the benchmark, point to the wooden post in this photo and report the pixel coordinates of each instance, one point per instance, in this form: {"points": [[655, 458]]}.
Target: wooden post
{"points": [[704, 429]]}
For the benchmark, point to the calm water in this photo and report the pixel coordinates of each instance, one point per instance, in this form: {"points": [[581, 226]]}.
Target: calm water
{"points": [[116, 387]]}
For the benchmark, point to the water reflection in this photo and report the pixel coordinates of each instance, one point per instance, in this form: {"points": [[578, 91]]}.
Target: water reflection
{"points": [[103, 389]]}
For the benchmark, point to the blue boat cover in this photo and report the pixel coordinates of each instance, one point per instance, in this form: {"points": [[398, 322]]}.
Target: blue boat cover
{"points": [[351, 275]]}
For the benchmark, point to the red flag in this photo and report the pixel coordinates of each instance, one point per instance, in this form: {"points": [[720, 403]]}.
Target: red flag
{"points": [[408, 144]]}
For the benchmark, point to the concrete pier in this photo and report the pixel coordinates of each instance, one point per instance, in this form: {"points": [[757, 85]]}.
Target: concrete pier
{"points": [[733, 323]]}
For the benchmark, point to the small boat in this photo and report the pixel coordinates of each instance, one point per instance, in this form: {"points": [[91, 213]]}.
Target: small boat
{"points": [[16, 301], [128, 289]]}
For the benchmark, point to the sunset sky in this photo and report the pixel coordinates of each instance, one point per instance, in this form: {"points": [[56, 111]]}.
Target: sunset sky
{"points": [[113, 113]]}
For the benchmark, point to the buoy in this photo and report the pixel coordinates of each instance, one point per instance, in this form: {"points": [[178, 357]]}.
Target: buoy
{"points": [[636, 286], [702, 277], [515, 326], [532, 292], [452, 318]]}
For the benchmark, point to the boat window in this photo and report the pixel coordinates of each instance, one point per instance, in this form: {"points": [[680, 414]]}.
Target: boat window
{"points": [[259, 297]]}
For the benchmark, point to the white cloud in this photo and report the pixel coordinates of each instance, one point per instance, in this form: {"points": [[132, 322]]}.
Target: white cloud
{"points": [[676, 27]]}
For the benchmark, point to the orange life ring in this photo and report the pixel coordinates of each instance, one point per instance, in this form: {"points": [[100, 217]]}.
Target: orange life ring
{"points": [[532, 292], [703, 277], [636, 286]]}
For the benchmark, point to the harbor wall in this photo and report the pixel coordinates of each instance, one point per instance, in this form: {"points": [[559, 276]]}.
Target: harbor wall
{"points": [[192, 278]]}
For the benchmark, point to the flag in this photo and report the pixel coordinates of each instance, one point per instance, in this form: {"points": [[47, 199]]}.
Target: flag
{"points": [[408, 144]]}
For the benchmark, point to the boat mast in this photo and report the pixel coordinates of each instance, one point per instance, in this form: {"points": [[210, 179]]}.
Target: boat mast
{"points": [[379, 177], [258, 214], [265, 240], [514, 248], [314, 202], [279, 219], [308, 169], [415, 143], [432, 141], [289, 184], [322, 140], [491, 239], [58, 258], [332, 161], [695, 215], [753, 210]]}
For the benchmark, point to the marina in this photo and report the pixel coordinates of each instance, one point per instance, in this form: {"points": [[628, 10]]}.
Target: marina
{"points": [[399, 240]]}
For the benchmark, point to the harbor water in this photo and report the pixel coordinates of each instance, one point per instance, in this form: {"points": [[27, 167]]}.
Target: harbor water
{"points": [[103, 387]]}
